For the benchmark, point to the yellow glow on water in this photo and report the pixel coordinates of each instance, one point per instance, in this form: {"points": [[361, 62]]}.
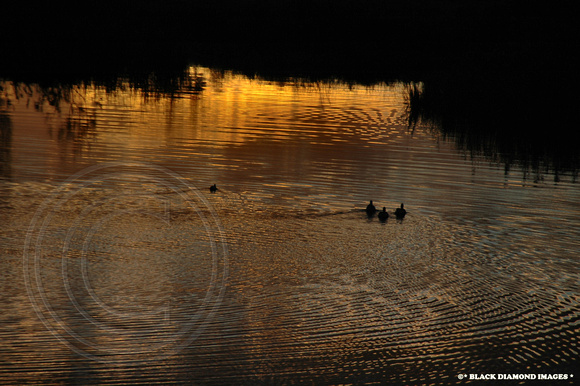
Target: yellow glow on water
{"points": [[213, 110], [311, 275]]}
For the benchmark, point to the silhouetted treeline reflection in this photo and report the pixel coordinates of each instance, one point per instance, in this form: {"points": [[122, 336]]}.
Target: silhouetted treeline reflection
{"points": [[518, 125], [5, 139], [498, 77]]}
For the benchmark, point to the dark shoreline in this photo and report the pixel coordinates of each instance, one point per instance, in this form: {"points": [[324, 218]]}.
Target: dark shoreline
{"points": [[362, 41], [494, 74]]}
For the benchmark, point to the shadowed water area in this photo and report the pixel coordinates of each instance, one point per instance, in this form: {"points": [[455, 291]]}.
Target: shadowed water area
{"points": [[119, 265]]}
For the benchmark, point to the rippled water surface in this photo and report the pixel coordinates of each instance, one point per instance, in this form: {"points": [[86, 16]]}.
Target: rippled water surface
{"points": [[118, 264]]}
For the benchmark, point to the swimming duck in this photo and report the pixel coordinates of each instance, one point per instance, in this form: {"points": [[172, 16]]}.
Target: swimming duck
{"points": [[383, 216], [213, 188], [371, 209], [400, 212]]}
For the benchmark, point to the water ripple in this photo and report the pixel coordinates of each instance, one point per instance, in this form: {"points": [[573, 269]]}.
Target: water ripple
{"points": [[481, 276]]}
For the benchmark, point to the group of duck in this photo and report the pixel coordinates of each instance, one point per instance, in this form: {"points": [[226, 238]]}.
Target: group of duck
{"points": [[371, 210], [384, 215]]}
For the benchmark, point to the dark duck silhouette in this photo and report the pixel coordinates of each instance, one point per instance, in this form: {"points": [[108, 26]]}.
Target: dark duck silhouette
{"points": [[213, 188], [400, 212], [383, 216], [371, 209]]}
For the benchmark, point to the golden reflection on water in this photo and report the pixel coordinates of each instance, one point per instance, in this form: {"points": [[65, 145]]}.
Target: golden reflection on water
{"points": [[482, 264], [239, 132], [232, 102]]}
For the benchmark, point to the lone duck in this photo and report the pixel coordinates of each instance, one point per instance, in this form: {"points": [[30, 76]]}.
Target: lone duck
{"points": [[400, 212], [213, 188], [383, 216], [371, 209]]}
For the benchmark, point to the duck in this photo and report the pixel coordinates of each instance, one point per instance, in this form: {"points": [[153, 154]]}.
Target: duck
{"points": [[383, 216], [400, 212], [371, 209], [213, 188]]}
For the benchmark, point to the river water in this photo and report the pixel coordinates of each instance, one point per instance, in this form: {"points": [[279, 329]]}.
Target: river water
{"points": [[120, 266]]}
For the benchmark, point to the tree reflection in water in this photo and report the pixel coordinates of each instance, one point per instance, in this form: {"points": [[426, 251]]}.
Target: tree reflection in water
{"points": [[5, 138], [515, 125]]}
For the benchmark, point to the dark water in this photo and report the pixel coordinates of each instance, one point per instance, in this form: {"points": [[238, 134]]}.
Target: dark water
{"points": [[119, 266]]}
